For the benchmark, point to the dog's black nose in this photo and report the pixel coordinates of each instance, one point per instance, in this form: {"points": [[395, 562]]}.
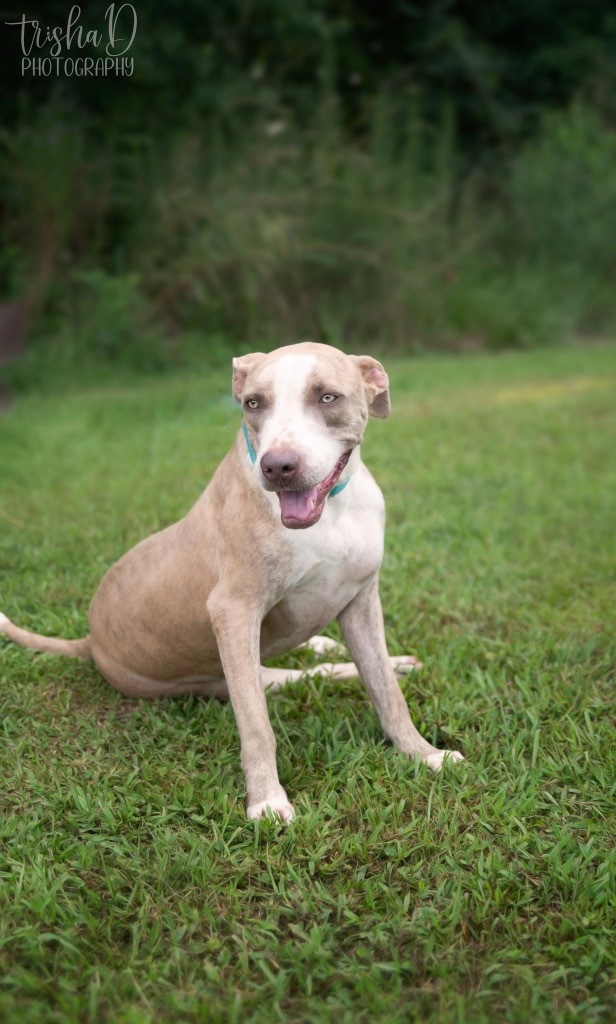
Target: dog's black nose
{"points": [[279, 466]]}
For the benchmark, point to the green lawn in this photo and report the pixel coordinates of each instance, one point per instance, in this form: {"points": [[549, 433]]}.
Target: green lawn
{"points": [[133, 889]]}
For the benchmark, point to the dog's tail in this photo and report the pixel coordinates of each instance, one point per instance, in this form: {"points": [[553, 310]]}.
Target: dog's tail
{"points": [[48, 644]]}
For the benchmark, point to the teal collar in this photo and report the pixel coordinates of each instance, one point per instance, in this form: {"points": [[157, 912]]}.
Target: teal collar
{"points": [[338, 487], [251, 451], [253, 458]]}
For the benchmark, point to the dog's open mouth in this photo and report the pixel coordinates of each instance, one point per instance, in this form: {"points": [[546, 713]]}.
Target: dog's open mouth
{"points": [[300, 509]]}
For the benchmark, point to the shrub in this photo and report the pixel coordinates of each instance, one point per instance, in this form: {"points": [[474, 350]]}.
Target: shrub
{"points": [[152, 251]]}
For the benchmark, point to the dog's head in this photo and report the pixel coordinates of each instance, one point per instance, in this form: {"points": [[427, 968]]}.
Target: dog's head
{"points": [[305, 409]]}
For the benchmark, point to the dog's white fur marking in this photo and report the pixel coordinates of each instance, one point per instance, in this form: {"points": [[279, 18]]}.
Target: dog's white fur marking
{"points": [[288, 424], [333, 559]]}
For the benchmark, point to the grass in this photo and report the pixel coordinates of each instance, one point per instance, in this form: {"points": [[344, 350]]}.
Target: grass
{"points": [[133, 888]]}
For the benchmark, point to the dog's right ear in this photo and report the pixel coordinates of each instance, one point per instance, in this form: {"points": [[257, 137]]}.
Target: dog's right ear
{"points": [[376, 384], [242, 366]]}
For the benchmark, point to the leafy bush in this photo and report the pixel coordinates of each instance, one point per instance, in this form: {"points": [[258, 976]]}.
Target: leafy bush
{"points": [[150, 253]]}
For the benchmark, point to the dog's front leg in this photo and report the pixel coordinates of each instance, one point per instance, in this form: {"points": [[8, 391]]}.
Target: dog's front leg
{"points": [[238, 629], [364, 634]]}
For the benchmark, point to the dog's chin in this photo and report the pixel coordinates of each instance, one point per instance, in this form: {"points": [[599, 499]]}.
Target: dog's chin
{"points": [[301, 509]]}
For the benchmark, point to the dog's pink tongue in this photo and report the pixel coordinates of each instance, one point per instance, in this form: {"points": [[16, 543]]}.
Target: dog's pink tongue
{"points": [[297, 504]]}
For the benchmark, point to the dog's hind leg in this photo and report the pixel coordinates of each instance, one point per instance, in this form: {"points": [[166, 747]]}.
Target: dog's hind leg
{"points": [[276, 678], [132, 684]]}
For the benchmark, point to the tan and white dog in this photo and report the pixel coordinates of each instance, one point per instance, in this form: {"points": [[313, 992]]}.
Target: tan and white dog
{"points": [[287, 537]]}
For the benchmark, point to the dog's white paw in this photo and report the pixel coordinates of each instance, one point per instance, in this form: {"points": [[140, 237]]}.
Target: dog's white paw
{"points": [[324, 645], [436, 760], [277, 806], [404, 663], [3, 622]]}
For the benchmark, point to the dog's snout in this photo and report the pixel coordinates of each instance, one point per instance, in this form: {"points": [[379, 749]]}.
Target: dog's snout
{"points": [[279, 466]]}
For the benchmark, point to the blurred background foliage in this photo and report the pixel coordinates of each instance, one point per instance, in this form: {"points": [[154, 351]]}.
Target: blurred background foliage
{"points": [[399, 176]]}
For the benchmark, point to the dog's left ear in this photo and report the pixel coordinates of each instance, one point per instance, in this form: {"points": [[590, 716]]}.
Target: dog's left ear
{"points": [[376, 385], [242, 365]]}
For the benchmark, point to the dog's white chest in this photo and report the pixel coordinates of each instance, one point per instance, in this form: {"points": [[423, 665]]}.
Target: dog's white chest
{"points": [[332, 561]]}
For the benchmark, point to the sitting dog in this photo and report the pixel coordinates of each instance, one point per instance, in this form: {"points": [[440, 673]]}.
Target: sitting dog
{"points": [[287, 537]]}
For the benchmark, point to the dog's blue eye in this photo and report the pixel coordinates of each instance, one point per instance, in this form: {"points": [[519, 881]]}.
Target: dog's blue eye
{"points": [[252, 403], [328, 398]]}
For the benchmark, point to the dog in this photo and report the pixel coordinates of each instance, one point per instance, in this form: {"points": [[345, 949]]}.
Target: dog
{"points": [[287, 537]]}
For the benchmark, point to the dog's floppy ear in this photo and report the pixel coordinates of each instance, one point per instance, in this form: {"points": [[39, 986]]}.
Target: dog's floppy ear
{"points": [[242, 366], [376, 385]]}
